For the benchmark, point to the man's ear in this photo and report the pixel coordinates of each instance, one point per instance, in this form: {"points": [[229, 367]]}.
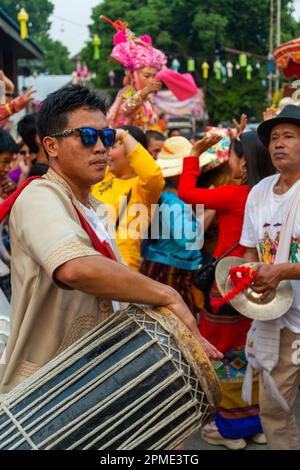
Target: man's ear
{"points": [[50, 145], [243, 165]]}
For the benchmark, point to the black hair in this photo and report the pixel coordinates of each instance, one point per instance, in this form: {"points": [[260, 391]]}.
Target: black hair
{"points": [[154, 135], [137, 133], [258, 160], [21, 144], [27, 130], [7, 143], [173, 130], [55, 110]]}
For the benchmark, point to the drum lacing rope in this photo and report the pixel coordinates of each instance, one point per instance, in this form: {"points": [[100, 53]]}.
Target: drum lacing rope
{"points": [[17, 424], [69, 360], [125, 413], [62, 406], [50, 371]]}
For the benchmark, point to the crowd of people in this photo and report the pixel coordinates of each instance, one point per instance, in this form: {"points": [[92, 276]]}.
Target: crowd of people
{"points": [[80, 186]]}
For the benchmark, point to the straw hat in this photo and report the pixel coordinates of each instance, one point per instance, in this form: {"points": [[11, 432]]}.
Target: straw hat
{"points": [[171, 156], [247, 302], [175, 149]]}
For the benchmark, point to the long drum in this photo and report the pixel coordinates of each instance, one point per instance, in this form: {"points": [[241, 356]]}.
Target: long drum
{"points": [[139, 380]]}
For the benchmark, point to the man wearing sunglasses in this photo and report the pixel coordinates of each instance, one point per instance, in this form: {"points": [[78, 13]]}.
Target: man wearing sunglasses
{"points": [[64, 280]]}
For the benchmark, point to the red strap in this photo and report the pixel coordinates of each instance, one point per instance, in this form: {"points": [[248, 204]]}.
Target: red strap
{"points": [[241, 277], [6, 206], [102, 247]]}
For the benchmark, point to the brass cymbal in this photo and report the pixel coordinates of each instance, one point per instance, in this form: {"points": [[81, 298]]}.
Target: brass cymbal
{"points": [[274, 306], [222, 271]]}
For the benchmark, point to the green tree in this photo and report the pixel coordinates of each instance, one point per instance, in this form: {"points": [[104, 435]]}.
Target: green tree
{"points": [[186, 28], [38, 11], [56, 56]]}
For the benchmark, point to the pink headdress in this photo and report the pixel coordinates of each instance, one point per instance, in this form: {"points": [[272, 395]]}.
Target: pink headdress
{"points": [[134, 52]]}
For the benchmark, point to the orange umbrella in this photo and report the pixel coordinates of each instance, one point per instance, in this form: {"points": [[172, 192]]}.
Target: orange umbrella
{"points": [[287, 57]]}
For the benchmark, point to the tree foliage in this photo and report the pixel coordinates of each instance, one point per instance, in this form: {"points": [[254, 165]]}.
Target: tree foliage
{"points": [[38, 11], [189, 28], [56, 56]]}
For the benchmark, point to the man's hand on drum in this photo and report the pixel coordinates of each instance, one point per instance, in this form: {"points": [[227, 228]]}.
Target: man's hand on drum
{"points": [[182, 311]]}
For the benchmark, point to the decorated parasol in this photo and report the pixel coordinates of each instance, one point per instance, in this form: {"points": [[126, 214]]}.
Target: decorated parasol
{"points": [[287, 57]]}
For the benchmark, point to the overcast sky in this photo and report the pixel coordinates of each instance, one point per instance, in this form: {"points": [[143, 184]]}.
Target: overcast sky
{"points": [[74, 36]]}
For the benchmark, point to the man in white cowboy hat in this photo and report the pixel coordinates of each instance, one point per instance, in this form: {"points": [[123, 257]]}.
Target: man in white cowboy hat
{"points": [[267, 214]]}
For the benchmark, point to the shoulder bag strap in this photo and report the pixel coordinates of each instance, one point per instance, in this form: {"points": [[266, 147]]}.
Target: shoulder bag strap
{"points": [[122, 211]]}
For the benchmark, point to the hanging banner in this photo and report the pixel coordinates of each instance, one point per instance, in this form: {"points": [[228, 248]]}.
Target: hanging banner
{"points": [[229, 69], [191, 65], [23, 19], [168, 104], [218, 69], [175, 65], [243, 60], [205, 68], [96, 45], [249, 71]]}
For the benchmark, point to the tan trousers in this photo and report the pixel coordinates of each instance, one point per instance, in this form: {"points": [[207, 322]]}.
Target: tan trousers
{"points": [[279, 426]]}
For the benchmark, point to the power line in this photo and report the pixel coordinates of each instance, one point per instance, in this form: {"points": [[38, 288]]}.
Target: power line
{"points": [[71, 22]]}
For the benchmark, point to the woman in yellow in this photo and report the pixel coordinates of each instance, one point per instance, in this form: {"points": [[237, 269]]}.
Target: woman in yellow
{"points": [[132, 177]]}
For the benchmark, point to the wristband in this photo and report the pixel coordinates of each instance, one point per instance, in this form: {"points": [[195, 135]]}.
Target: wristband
{"points": [[8, 109]]}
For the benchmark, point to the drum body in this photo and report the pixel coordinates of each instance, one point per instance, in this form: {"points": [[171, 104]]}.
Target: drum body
{"points": [[125, 385], [4, 321]]}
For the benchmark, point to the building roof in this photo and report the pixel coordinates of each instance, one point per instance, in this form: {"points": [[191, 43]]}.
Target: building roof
{"points": [[25, 49]]}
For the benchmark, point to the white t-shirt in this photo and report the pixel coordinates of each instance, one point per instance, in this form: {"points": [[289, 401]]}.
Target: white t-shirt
{"points": [[102, 234], [264, 216]]}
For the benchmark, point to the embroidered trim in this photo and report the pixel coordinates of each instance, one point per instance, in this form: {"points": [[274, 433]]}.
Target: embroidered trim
{"points": [[67, 252], [26, 368], [79, 328]]}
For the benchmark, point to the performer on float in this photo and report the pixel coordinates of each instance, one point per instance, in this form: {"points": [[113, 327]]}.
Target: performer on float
{"points": [[134, 104]]}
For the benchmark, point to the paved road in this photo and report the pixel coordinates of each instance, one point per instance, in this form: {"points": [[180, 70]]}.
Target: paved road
{"points": [[196, 443]]}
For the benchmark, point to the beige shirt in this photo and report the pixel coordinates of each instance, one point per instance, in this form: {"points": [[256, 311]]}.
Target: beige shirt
{"points": [[46, 317]]}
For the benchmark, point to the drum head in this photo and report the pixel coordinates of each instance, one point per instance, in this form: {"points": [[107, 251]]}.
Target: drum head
{"points": [[192, 350]]}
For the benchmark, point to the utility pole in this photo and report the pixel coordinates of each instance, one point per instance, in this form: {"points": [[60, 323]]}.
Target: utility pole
{"points": [[278, 39], [271, 47]]}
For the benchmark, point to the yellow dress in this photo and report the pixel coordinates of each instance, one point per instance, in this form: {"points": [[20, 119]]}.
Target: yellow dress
{"points": [[145, 188]]}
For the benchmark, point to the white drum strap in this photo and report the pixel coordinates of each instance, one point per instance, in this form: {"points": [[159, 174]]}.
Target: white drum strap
{"points": [[18, 426]]}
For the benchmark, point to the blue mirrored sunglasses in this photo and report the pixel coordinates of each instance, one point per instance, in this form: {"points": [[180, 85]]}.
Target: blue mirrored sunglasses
{"points": [[89, 136]]}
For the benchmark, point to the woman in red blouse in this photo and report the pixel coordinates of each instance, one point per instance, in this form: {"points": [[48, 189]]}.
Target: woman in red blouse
{"points": [[249, 162]]}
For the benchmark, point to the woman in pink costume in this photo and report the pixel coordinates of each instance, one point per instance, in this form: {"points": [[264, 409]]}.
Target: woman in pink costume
{"points": [[134, 104]]}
